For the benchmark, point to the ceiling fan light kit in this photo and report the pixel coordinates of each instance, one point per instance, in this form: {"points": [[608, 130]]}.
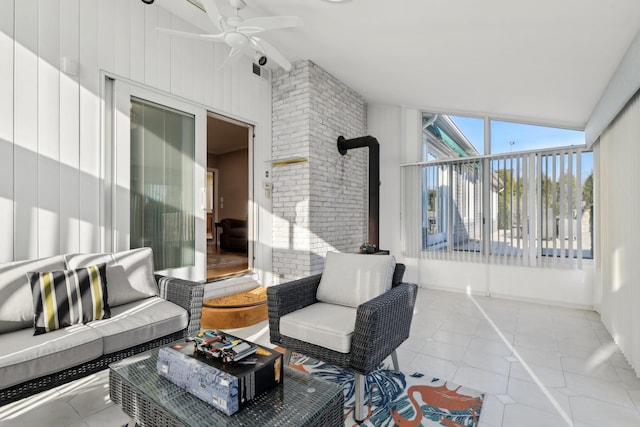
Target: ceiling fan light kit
{"points": [[241, 34]]}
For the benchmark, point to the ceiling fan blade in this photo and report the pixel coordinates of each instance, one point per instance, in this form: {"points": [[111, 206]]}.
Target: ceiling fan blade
{"points": [[211, 8], [271, 52], [211, 37], [257, 25], [233, 57]]}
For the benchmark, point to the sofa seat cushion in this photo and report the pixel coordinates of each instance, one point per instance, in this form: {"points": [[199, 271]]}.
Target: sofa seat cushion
{"points": [[353, 279], [129, 273], [139, 322], [24, 356], [326, 325], [16, 300]]}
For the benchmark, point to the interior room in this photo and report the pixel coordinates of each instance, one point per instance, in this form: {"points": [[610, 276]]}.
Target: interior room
{"points": [[167, 152], [227, 196]]}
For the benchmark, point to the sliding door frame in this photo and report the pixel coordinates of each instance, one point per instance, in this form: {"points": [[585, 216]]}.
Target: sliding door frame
{"points": [[120, 178]]}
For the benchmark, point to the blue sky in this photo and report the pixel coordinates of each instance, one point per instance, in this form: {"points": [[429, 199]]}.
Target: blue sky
{"points": [[524, 137]]}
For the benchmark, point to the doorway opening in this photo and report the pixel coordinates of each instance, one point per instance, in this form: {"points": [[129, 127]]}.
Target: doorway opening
{"points": [[229, 244]]}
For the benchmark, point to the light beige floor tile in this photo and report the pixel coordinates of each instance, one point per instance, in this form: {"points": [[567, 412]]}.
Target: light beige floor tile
{"points": [[635, 396], [598, 413], [567, 348], [616, 358], [534, 356], [54, 414], [541, 342], [461, 325], [628, 378], [536, 373], [443, 350], [421, 328], [535, 327], [492, 411], [494, 333], [405, 359], [434, 367], [89, 395], [413, 343], [491, 347], [481, 380], [496, 364], [109, 417], [590, 368], [448, 337], [598, 389], [530, 394], [525, 416]]}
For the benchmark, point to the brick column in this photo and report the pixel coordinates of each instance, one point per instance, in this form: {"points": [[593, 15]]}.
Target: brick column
{"points": [[319, 205]]}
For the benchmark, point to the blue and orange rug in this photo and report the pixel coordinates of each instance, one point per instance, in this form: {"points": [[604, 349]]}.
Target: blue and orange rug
{"points": [[400, 399]]}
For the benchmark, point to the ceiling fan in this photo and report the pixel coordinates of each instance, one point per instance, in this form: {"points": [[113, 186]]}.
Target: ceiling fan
{"points": [[240, 34]]}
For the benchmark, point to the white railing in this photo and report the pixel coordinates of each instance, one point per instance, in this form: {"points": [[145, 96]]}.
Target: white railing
{"points": [[525, 207]]}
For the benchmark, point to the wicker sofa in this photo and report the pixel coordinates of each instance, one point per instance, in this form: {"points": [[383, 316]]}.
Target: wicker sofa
{"points": [[147, 311]]}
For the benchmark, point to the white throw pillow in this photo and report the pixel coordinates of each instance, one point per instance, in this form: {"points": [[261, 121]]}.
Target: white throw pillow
{"points": [[352, 279], [16, 300], [129, 273]]}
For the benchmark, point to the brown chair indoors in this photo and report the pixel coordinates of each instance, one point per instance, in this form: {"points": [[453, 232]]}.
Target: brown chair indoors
{"points": [[234, 235]]}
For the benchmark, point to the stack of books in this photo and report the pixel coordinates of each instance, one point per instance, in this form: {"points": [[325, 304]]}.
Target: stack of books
{"points": [[223, 370]]}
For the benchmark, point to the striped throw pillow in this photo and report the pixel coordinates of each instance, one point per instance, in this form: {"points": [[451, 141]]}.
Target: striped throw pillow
{"points": [[69, 297]]}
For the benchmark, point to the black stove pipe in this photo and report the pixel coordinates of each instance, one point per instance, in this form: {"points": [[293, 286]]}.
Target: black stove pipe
{"points": [[345, 145]]}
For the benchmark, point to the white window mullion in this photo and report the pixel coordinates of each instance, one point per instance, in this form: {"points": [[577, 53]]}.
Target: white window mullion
{"points": [[531, 212], [579, 207], [538, 211], [570, 219], [562, 222]]}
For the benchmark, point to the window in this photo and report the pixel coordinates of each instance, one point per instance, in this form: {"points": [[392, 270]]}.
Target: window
{"points": [[508, 137], [448, 137], [526, 205]]}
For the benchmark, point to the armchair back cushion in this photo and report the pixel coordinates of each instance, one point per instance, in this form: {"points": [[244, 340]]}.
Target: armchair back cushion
{"points": [[16, 300], [352, 279], [129, 273]]}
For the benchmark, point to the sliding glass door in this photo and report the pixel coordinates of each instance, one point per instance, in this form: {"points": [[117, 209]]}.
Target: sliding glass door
{"points": [[162, 183], [160, 173]]}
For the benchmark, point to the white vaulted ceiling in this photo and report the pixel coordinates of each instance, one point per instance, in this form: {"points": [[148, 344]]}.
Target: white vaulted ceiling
{"points": [[544, 61]]}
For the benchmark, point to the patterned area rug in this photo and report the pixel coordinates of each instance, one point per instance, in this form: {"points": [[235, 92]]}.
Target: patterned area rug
{"points": [[401, 400]]}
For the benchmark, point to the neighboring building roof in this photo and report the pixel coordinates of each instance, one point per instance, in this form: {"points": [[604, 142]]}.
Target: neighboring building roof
{"points": [[445, 139]]}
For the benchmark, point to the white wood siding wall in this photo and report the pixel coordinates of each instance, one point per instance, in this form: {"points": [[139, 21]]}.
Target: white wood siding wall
{"points": [[50, 120], [618, 268]]}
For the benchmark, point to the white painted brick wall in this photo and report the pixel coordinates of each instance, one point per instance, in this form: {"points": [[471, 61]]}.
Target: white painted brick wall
{"points": [[320, 205]]}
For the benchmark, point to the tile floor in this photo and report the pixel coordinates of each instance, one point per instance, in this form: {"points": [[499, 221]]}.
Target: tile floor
{"points": [[540, 365]]}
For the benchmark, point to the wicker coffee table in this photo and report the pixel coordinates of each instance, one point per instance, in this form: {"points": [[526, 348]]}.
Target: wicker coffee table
{"points": [[153, 401]]}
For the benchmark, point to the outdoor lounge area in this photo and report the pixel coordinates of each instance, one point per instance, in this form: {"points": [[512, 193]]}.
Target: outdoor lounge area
{"points": [[433, 203]]}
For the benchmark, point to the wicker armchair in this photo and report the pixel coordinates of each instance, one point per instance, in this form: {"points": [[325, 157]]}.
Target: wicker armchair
{"points": [[382, 324]]}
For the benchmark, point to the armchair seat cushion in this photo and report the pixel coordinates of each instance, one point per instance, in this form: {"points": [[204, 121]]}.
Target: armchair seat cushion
{"points": [[326, 325], [352, 279]]}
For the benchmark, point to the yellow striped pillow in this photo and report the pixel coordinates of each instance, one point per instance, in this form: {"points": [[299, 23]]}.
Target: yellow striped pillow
{"points": [[68, 297]]}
